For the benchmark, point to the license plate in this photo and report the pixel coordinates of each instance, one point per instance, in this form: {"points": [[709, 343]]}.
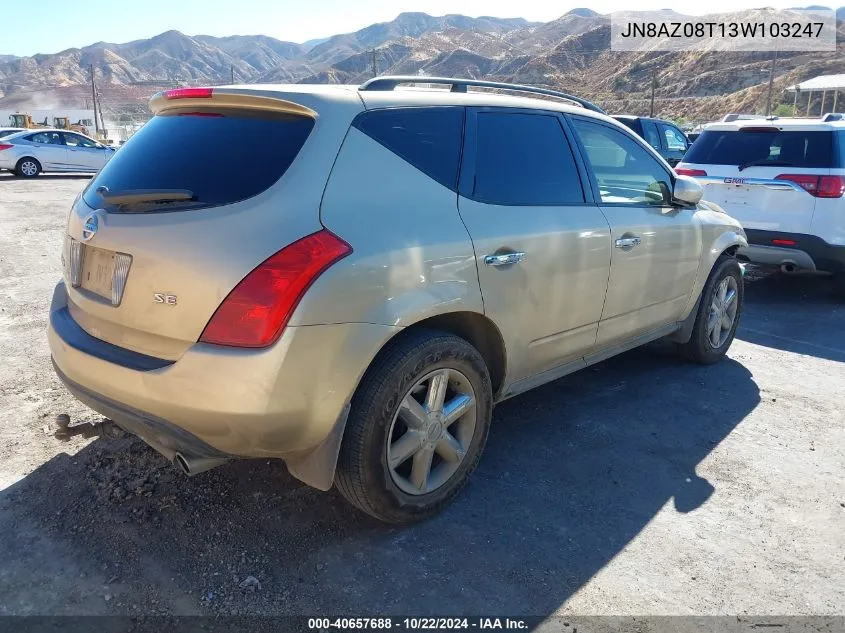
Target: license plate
{"points": [[98, 271], [737, 195]]}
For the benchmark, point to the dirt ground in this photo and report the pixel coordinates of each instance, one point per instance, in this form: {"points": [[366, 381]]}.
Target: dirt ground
{"points": [[641, 486]]}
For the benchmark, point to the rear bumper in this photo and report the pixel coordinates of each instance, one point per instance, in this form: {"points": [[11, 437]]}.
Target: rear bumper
{"points": [[282, 401], [809, 252]]}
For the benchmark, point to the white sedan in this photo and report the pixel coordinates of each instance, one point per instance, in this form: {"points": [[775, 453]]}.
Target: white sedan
{"points": [[29, 153]]}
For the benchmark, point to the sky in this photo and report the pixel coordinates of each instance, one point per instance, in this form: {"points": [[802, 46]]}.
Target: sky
{"points": [[67, 23]]}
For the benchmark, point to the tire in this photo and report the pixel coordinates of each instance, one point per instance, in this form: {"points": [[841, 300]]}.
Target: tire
{"points": [[27, 167], [839, 283], [392, 493], [701, 347]]}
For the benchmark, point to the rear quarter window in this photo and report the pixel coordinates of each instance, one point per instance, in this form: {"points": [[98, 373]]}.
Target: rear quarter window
{"points": [[221, 155], [729, 147], [428, 138]]}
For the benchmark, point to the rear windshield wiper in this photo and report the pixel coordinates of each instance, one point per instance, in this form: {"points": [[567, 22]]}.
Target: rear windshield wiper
{"points": [[760, 162], [136, 196]]}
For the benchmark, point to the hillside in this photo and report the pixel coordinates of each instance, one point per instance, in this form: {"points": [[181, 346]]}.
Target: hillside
{"points": [[571, 53]]}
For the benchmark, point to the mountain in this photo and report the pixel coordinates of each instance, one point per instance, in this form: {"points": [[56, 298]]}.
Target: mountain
{"points": [[570, 53], [339, 47]]}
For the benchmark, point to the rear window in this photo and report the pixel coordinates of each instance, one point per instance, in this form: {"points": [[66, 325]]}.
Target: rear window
{"points": [[427, 138], [840, 144], [221, 156], [761, 146]]}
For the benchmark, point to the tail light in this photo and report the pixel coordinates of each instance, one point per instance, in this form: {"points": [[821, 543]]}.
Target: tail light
{"points": [[784, 242], [818, 186], [188, 93], [5, 146], [259, 307], [684, 171]]}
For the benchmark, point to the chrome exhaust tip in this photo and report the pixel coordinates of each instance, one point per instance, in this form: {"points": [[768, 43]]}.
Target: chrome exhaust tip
{"points": [[788, 267], [194, 465]]}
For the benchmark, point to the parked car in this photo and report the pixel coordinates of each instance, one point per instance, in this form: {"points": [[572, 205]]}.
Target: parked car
{"points": [[784, 180], [664, 136], [33, 151], [7, 131], [383, 267]]}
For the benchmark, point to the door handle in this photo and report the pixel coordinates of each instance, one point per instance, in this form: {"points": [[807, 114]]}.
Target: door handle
{"points": [[504, 259], [627, 243]]}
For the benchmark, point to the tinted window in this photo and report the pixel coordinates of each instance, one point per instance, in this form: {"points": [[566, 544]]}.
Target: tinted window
{"points": [[651, 135], [524, 159], [840, 143], [8, 132], [790, 148], [631, 124], [428, 138], [222, 156], [674, 139], [626, 172], [47, 138]]}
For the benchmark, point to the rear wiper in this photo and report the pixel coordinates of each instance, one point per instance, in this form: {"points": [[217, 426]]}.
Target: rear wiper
{"points": [[764, 161], [136, 196]]}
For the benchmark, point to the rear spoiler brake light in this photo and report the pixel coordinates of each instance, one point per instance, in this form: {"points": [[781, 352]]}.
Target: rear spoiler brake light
{"points": [[188, 93]]}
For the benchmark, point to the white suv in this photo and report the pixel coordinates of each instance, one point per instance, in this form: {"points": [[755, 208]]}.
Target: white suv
{"points": [[784, 180]]}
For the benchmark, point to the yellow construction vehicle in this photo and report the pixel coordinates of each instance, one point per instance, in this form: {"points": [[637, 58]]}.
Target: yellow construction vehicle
{"points": [[25, 121], [63, 123]]}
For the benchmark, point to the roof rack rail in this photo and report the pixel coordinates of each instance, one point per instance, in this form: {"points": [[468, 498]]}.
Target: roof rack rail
{"points": [[460, 85]]}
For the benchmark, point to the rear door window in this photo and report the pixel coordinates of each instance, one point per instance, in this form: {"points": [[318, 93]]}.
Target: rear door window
{"points": [[220, 155], [761, 146], [46, 138], [524, 159], [427, 138]]}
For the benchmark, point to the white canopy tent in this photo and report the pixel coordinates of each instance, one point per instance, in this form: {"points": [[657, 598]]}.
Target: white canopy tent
{"points": [[823, 84]]}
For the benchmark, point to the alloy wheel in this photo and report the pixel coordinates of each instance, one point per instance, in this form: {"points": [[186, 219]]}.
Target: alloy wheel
{"points": [[431, 431], [722, 313]]}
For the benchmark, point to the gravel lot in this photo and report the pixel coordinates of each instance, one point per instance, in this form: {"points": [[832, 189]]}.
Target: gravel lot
{"points": [[641, 486]]}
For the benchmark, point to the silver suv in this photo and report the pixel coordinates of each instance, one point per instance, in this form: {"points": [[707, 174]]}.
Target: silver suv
{"points": [[349, 278]]}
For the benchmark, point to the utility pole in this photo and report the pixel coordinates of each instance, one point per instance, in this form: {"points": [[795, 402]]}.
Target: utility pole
{"points": [[94, 101], [232, 69], [653, 86], [102, 119], [375, 64], [771, 82]]}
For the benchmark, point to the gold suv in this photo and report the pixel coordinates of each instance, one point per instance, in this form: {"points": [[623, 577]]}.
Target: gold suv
{"points": [[349, 278]]}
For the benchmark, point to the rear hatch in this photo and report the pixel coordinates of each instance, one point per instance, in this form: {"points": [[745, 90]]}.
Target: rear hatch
{"points": [[767, 176], [211, 187]]}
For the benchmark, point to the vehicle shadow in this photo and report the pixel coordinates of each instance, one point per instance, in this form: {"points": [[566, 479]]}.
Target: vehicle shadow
{"points": [[47, 176], [816, 309], [573, 472]]}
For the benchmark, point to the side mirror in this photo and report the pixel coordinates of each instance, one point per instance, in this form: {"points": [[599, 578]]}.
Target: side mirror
{"points": [[687, 192]]}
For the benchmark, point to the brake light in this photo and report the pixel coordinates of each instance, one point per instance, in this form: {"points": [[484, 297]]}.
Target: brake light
{"points": [[258, 308], [683, 171], [5, 146], [784, 242], [204, 114], [818, 186], [188, 93]]}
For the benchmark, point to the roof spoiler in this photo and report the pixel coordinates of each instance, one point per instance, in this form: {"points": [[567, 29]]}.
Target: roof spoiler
{"points": [[461, 85]]}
